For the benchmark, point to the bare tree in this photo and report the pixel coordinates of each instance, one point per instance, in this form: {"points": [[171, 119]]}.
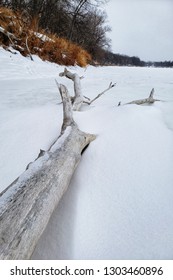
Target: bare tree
{"points": [[75, 14]]}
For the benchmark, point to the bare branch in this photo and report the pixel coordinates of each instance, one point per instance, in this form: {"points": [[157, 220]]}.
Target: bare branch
{"points": [[100, 94], [87, 98], [78, 99], [8, 34]]}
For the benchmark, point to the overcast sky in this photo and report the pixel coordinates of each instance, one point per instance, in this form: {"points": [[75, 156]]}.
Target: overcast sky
{"points": [[142, 28]]}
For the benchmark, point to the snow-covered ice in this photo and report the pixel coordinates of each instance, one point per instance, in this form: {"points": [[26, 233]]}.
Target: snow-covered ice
{"points": [[119, 203]]}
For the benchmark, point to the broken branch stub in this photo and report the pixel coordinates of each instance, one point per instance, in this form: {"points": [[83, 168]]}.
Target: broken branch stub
{"points": [[67, 107], [78, 98], [28, 203], [10, 36]]}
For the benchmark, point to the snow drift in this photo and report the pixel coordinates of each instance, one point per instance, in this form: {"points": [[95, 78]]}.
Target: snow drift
{"points": [[119, 203]]}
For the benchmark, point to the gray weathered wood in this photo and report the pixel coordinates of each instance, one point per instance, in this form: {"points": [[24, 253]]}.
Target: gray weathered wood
{"points": [[148, 100], [27, 204], [78, 98]]}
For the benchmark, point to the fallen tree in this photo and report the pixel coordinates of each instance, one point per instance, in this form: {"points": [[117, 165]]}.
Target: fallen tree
{"points": [[149, 100], [145, 101], [27, 204]]}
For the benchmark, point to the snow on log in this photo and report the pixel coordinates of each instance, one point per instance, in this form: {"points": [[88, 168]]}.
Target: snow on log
{"points": [[27, 204], [148, 100]]}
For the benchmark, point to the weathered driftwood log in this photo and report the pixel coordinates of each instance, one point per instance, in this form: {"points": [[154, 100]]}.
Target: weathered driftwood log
{"points": [[79, 99], [27, 204], [148, 100]]}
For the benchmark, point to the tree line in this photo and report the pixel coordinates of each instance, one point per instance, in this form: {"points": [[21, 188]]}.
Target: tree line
{"points": [[110, 58], [160, 63]]}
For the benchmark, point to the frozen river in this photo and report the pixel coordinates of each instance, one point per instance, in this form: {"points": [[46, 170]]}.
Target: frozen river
{"points": [[119, 203]]}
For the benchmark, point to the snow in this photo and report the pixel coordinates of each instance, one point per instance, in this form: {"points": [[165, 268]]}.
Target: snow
{"points": [[119, 202]]}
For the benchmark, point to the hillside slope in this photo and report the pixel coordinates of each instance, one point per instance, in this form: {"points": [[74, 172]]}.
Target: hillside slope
{"points": [[21, 32]]}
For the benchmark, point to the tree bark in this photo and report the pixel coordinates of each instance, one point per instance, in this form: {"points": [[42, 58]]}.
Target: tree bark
{"points": [[78, 98], [27, 204]]}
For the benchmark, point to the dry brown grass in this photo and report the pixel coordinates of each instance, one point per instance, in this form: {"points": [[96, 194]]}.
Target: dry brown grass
{"points": [[48, 47]]}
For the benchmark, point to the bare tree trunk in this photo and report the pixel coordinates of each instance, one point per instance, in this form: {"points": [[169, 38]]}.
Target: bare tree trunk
{"points": [[89, 102], [76, 12], [27, 204], [10, 36]]}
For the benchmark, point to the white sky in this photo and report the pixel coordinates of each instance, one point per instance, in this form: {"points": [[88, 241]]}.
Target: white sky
{"points": [[142, 28]]}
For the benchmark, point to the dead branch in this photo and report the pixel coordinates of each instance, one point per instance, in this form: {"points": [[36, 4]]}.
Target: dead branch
{"points": [[87, 98], [27, 47], [10, 36], [79, 99], [111, 85], [148, 100]]}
